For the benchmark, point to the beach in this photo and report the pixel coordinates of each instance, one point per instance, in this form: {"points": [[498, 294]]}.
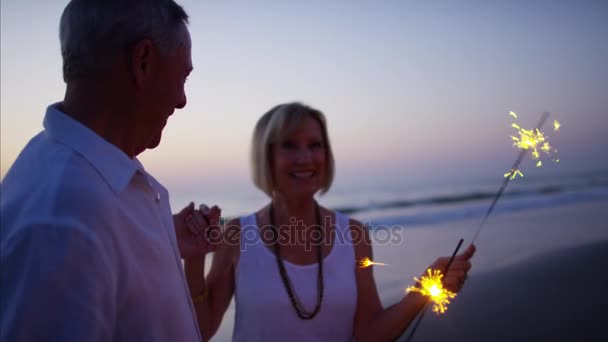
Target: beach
{"points": [[537, 275], [559, 296]]}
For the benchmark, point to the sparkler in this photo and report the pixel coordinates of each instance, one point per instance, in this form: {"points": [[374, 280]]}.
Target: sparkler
{"points": [[366, 262], [531, 140], [445, 271], [528, 140], [431, 286]]}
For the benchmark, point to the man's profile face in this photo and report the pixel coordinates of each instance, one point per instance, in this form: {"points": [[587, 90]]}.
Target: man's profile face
{"points": [[166, 94]]}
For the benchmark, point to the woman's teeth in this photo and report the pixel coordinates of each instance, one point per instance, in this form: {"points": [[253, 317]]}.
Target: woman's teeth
{"points": [[302, 175]]}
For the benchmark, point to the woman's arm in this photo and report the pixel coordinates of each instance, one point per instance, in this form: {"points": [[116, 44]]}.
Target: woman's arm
{"points": [[374, 323], [211, 296]]}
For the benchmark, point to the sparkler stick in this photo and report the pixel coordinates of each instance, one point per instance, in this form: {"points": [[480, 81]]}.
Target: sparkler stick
{"points": [[515, 166], [508, 178], [445, 271]]}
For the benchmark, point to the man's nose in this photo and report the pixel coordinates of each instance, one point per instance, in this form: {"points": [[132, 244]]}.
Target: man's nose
{"points": [[182, 103]]}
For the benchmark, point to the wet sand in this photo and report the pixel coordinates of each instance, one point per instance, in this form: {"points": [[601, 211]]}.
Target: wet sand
{"points": [[559, 296]]}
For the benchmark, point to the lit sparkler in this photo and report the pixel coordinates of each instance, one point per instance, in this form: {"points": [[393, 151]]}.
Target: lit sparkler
{"points": [[533, 140], [366, 262], [526, 141], [432, 287], [445, 270]]}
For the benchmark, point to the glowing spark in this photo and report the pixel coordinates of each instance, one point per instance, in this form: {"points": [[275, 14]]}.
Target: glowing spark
{"points": [[534, 141], [432, 287], [528, 140], [556, 125], [535, 154], [366, 262], [513, 173], [512, 113]]}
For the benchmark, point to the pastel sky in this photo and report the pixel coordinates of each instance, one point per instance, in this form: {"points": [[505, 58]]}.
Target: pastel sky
{"points": [[411, 89]]}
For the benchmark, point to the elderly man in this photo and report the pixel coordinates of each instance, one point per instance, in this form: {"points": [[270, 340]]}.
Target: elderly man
{"points": [[89, 248]]}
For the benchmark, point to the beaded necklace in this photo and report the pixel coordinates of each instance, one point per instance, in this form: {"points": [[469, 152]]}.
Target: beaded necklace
{"points": [[295, 302]]}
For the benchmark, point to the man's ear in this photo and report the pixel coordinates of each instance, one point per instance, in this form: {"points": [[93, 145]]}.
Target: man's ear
{"points": [[142, 60]]}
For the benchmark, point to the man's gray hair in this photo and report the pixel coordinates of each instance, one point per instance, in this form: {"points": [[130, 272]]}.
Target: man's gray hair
{"points": [[92, 32]]}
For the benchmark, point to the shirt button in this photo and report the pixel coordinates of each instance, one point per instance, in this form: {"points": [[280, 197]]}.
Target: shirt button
{"points": [[158, 198]]}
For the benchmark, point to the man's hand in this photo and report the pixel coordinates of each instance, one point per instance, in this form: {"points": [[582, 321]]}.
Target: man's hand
{"points": [[198, 231]]}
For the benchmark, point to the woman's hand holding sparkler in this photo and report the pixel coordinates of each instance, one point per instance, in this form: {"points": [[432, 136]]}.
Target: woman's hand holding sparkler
{"points": [[457, 272], [440, 288]]}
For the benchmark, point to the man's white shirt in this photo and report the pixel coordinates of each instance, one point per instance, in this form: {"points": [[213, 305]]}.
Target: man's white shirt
{"points": [[88, 248]]}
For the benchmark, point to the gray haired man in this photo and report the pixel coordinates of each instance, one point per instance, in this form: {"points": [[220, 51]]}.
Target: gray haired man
{"points": [[89, 248]]}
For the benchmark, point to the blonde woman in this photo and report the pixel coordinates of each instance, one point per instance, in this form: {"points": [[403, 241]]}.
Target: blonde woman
{"points": [[292, 265]]}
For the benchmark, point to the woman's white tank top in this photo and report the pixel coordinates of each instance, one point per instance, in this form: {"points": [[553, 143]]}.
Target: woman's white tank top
{"points": [[263, 309]]}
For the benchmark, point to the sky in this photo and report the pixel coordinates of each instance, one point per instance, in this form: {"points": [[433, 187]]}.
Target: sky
{"points": [[413, 91]]}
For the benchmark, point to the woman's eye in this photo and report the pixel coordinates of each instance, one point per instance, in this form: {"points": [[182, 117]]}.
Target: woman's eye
{"points": [[288, 145], [316, 145]]}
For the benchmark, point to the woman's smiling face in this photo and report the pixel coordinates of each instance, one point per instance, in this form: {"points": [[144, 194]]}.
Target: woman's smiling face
{"points": [[298, 160]]}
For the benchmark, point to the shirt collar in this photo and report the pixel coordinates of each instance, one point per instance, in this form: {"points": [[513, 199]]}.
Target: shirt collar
{"points": [[112, 163]]}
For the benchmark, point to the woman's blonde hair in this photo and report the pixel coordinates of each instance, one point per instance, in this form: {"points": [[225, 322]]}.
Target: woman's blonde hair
{"points": [[271, 128]]}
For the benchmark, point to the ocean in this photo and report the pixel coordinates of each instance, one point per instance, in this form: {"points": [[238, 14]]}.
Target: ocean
{"points": [[413, 204]]}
